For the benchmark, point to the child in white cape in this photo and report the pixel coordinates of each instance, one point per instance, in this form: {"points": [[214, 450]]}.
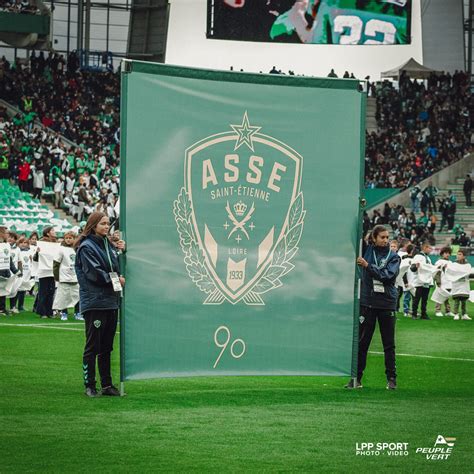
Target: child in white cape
{"points": [[27, 280], [67, 294], [459, 273]]}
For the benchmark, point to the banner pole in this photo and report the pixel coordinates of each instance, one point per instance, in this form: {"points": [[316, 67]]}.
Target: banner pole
{"points": [[358, 243], [126, 68]]}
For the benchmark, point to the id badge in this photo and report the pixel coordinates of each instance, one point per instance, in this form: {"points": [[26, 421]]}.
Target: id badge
{"points": [[115, 281], [378, 287]]}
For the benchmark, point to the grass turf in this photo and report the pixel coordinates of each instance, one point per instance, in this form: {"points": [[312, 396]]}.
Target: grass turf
{"points": [[233, 423]]}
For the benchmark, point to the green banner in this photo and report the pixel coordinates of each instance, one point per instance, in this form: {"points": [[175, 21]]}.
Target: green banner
{"points": [[24, 23], [240, 207]]}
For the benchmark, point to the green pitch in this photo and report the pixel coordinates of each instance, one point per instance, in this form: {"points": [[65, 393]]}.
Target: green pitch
{"points": [[234, 423]]}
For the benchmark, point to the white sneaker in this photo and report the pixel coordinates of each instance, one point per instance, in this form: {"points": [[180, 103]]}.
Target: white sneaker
{"points": [[63, 316], [406, 315], [456, 317], [78, 317], [466, 317], [439, 314], [450, 314], [15, 310]]}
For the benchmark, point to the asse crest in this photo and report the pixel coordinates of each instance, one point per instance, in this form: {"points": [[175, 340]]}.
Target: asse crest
{"points": [[240, 213]]}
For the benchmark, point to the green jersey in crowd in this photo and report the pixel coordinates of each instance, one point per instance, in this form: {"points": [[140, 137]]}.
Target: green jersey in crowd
{"points": [[4, 152], [347, 22]]}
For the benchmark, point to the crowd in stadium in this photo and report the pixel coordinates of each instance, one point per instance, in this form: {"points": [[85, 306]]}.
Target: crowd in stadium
{"points": [[82, 171], [422, 128], [18, 6], [420, 223]]}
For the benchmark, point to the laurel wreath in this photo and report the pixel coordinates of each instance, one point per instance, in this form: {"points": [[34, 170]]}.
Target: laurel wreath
{"points": [[194, 258], [284, 252]]}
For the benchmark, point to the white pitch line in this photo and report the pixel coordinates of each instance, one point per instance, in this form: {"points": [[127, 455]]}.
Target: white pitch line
{"points": [[47, 326], [426, 356]]}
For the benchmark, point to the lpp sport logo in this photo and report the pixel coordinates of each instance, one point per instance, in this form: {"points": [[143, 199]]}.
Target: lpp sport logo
{"points": [[382, 449], [240, 213]]}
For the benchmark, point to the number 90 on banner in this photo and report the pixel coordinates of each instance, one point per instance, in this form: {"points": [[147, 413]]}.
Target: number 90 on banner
{"points": [[222, 338]]}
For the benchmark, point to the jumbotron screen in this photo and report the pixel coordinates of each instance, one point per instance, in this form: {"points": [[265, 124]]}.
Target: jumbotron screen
{"points": [[354, 22]]}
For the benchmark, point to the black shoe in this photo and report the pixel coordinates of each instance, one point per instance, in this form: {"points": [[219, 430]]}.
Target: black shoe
{"points": [[92, 392], [350, 385], [391, 384], [110, 391], [425, 316]]}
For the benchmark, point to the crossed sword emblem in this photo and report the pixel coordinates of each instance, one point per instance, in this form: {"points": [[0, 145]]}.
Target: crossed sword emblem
{"points": [[239, 225]]}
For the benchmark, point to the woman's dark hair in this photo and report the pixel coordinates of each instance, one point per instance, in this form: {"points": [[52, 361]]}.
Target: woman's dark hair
{"points": [[90, 226], [34, 233], [445, 250], [46, 237], [378, 229]]}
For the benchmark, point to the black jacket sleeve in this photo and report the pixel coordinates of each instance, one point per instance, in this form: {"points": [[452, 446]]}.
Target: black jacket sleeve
{"points": [[387, 273]]}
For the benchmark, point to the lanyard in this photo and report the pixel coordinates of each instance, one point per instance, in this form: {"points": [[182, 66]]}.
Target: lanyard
{"points": [[108, 254], [384, 263]]}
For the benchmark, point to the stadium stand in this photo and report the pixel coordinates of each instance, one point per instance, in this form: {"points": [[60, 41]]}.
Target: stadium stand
{"points": [[18, 6], [67, 124], [421, 129], [66, 127], [20, 213]]}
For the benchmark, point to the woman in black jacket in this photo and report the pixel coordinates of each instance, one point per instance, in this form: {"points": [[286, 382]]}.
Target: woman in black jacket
{"points": [[378, 301], [100, 284]]}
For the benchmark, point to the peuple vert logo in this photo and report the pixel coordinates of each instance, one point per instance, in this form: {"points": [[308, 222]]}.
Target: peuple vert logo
{"points": [[240, 213], [442, 449]]}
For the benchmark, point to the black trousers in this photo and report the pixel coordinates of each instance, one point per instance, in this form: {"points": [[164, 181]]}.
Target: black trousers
{"points": [[21, 299], [468, 198], [368, 320], [46, 288], [101, 326], [421, 294], [432, 204], [400, 294]]}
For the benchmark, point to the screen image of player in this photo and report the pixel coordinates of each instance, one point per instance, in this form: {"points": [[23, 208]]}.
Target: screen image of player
{"points": [[341, 22]]}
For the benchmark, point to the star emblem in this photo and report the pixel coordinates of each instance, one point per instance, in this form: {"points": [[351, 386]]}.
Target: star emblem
{"points": [[245, 133]]}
